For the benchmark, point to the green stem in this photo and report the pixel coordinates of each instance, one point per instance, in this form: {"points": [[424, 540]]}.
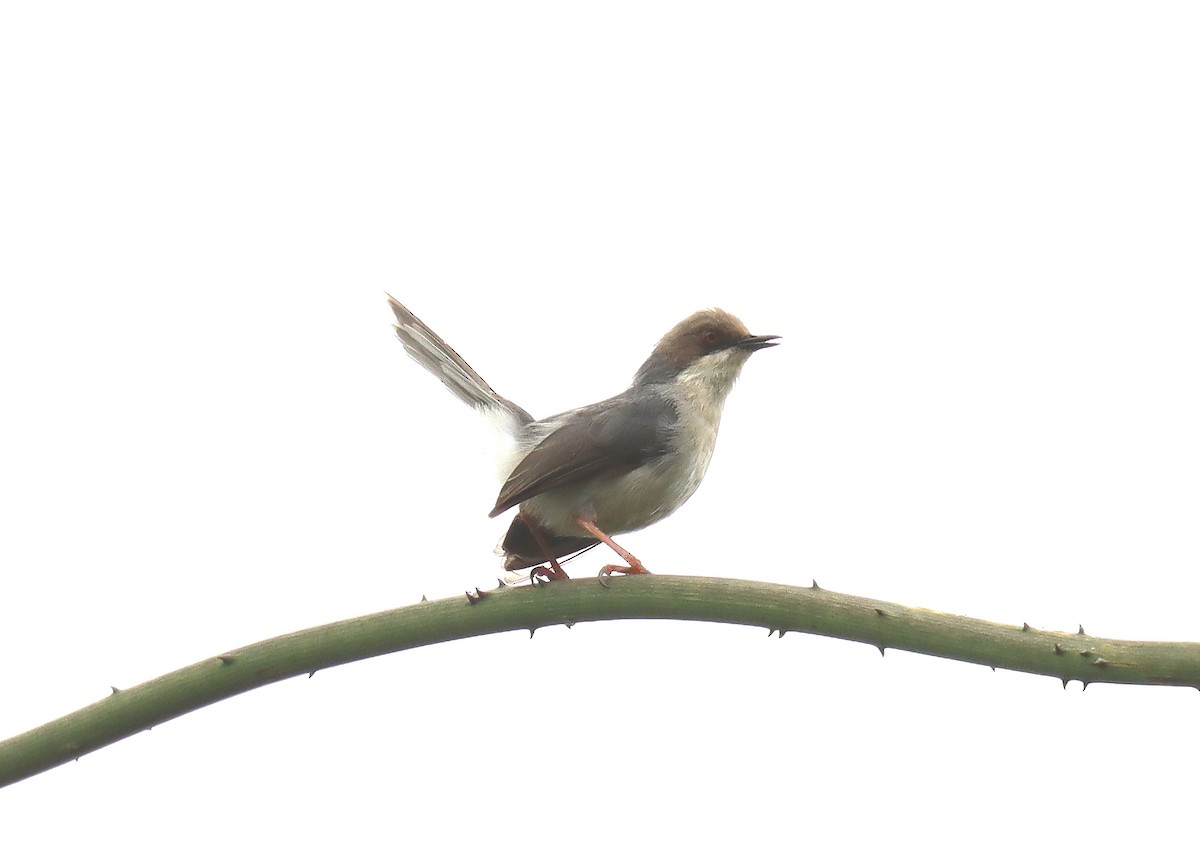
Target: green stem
{"points": [[1068, 656]]}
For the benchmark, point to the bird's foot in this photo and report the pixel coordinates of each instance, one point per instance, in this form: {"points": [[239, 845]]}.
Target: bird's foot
{"points": [[546, 573], [635, 566]]}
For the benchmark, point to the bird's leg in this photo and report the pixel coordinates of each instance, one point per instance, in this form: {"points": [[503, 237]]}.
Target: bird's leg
{"points": [[635, 565], [553, 571]]}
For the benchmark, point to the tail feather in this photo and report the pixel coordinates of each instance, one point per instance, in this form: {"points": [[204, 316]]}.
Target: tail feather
{"points": [[521, 549], [429, 350]]}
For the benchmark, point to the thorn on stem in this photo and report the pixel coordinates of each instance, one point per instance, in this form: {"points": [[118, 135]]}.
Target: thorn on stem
{"points": [[115, 689], [770, 632], [1025, 628], [424, 599], [881, 650], [880, 612], [815, 587], [1058, 649], [781, 632], [531, 629], [1081, 633]]}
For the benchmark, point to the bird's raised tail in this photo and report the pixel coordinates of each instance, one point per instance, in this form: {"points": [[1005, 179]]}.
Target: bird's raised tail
{"points": [[429, 350]]}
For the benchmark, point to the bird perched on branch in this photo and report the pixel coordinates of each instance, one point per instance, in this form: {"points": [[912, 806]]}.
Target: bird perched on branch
{"points": [[580, 477]]}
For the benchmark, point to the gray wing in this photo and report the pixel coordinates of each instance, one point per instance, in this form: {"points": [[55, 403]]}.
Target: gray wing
{"points": [[429, 350], [605, 439]]}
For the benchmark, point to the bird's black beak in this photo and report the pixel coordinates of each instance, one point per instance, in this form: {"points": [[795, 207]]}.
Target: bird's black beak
{"points": [[758, 341]]}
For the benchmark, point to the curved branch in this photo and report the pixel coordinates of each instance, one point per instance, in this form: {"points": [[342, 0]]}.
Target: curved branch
{"points": [[1068, 656]]}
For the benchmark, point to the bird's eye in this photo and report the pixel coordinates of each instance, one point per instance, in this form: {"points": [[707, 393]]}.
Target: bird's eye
{"points": [[710, 338]]}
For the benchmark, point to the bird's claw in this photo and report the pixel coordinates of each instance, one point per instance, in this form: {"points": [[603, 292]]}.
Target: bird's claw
{"points": [[608, 570], [546, 573]]}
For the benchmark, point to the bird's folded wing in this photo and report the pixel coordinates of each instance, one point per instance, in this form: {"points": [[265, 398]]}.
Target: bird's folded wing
{"points": [[601, 440]]}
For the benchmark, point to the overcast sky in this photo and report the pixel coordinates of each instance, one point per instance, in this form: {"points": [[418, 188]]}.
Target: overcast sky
{"points": [[974, 225]]}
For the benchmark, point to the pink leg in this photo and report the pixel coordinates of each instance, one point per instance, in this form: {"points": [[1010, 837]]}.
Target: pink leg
{"points": [[635, 565]]}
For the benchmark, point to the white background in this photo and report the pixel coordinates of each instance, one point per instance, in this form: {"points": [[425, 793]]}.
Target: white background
{"points": [[974, 225]]}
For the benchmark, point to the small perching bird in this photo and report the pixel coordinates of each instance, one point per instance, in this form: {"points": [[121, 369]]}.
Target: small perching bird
{"points": [[611, 467]]}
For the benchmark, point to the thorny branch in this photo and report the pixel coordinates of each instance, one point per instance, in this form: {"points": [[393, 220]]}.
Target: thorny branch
{"points": [[779, 609]]}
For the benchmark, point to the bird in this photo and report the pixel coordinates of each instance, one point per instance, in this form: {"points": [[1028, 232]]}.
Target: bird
{"points": [[580, 477]]}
